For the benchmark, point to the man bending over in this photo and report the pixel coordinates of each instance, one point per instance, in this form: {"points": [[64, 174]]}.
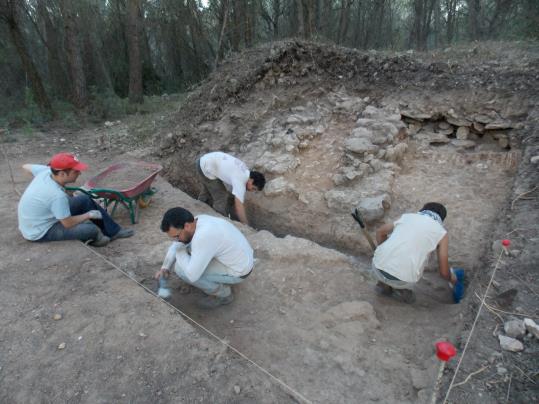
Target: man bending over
{"points": [[47, 213], [403, 249], [210, 253], [220, 174]]}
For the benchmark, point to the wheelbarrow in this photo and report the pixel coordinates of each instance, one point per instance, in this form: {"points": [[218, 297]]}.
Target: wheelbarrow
{"points": [[127, 184]]}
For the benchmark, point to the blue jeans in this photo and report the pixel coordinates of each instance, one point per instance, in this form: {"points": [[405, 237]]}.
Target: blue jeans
{"points": [[83, 231], [215, 279]]}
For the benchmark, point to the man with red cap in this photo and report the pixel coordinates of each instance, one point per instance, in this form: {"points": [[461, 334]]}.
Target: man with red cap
{"points": [[47, 213]]}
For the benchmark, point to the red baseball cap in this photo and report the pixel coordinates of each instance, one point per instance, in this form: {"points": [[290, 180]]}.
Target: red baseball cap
{"points": [[66, 161]]}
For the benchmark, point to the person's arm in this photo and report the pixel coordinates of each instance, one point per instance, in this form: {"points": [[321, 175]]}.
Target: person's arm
{"points": [[202, 252], [383, 232], [34, 169], [169, 260], [240, 211], [27, 168], [443, 259], [72, 221]]}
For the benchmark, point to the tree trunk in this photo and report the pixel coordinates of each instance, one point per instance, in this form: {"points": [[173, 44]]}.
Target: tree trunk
{"points": [[300, 19], [134, 15], [276, 15], [451, 6], [343, 20], [474, 19], [9, 14], [79, 93], [222, 33], [437, 23], [55, 63]]}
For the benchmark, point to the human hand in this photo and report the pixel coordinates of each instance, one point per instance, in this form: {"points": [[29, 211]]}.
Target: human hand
{"points": [[163, 272], [95, 214]]}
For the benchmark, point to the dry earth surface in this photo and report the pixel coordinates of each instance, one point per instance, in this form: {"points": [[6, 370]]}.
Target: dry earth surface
{"points": [[333, 129]]}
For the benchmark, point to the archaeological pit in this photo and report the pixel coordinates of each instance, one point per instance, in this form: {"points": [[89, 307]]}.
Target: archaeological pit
{"points": [[334, 130]]}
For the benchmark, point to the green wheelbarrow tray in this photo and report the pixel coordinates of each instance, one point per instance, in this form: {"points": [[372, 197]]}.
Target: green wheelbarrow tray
{"points": [[131, 196]]}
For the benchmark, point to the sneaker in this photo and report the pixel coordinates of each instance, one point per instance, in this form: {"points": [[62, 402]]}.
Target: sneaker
{"points": [[123, 233], [403, 295], [212, 302], [100, 241]]}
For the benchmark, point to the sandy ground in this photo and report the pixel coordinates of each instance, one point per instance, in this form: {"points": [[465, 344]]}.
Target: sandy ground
{"points": [[308, 315]]}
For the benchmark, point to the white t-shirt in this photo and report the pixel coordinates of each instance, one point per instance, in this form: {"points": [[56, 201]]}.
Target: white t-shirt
{"points": [[405, 252], [233, 172], [214, 238], [43, 204]]}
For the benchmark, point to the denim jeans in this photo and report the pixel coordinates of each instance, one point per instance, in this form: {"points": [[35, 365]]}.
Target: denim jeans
{"points": [[215, 279], [83, 231]]}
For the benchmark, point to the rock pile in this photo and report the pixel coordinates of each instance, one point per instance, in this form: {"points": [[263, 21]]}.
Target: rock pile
{"points": [[460, 129]]}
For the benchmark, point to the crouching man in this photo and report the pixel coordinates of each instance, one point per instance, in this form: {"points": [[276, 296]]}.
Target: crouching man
{"points": [[210, 253], [403, 249], [47, 213]]}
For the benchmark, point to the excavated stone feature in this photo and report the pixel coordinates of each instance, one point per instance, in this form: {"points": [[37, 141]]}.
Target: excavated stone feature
{"points": [[327, 147]]}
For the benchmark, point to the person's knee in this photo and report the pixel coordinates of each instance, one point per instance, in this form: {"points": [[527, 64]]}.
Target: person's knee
{"points": [[81, 204], [86, 231]]}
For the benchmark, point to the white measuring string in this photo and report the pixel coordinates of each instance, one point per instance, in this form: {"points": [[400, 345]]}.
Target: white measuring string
{"points": [[295, 393], [473, 327]]}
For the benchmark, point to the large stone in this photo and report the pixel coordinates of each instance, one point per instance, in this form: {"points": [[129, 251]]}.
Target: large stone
{"points": [[351, 173], [534, 160], [342, 200], [360, 145], [362, 132], [510, 344], [463, 132], [374, 208], [478, 127], [514, 328], [444, 125], [532, 327], [349, 106], [416, 115], [463, 144], [395, 153], [457, 121], [446, 132], [351, 311], [277, 163], [278, 186], [499, 125], [436, 139]]}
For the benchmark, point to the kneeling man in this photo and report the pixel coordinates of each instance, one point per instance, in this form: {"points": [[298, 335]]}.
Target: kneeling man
{"points": [[210, 253], [403, 249]]}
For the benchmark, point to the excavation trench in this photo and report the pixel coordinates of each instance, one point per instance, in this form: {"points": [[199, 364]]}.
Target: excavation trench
{"points": [[309, 314]]}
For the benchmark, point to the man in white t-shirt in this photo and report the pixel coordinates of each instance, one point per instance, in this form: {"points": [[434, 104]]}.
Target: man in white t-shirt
{"points": [[403, 249], [221, 175], [209, 253]]}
